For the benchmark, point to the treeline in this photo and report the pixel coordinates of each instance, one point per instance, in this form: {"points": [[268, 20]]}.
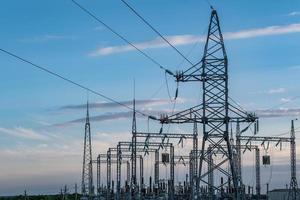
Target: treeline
{"points": [[42, 197]]}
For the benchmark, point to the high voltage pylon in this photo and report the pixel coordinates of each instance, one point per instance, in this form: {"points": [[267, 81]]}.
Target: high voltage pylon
{"points": [[87, 169], [293, 191], [133, 182], [215, 112]]}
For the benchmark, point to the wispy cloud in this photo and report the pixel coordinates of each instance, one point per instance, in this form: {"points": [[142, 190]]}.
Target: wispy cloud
{"points": [[294, 13], [282, 112], [99, 28], [277, 91], [104, 105], [115, 116], [285, 100], [179, 40], [48, 37], [25, 133]]}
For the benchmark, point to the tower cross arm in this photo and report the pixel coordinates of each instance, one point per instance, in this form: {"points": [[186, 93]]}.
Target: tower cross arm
{"points": [[194, 114], [189, 115], [191, 74], [240, 115]]}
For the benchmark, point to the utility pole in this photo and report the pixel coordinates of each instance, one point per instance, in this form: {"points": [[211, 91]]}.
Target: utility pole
{"points": [[293, 191], [87, 169], [257, 172]]}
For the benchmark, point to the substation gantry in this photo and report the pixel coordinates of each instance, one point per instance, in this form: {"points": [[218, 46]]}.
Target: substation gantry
{"points": [[146, 145], [265, 142], [102, 158], [165, 137], [116, 155]]}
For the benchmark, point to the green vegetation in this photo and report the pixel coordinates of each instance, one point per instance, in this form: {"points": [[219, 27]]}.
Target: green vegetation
{"points": [[41, 197]]}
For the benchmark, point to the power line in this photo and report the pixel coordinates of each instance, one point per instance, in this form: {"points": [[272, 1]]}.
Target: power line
{"points": [[117, 34], [69, 80], [156, 31]]}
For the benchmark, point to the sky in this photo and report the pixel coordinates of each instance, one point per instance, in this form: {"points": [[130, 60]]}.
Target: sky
{"points": [[42, 117]]}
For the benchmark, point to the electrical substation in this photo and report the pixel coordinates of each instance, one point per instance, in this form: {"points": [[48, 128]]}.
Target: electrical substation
{"points": [[219, 138], [206, 158]]}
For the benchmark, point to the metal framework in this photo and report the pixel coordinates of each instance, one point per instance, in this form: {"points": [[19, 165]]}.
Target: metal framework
{"points": [[146, 146], [293, 191], [163, 137], [265, 141], [87, 169], [118, 158], [215, 112]]}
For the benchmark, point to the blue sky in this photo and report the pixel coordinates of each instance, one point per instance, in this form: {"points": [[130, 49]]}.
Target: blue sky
{"points": [[36, 139]]}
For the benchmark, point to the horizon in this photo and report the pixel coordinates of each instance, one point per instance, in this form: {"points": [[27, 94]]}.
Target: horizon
{"points": [[42, 121]]}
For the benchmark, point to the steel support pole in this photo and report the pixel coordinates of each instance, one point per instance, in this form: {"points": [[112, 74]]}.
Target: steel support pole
{"points": [[257, 174], [108, 178], [141, 173], [191, 173], [171, 181], [98, 174], [118, 173], [156, 168], [128, 172]]}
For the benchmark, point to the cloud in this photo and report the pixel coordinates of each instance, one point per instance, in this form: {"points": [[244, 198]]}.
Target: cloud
{"points": [[294, 13], [176, 40], [48, 37], [282, 112], [23, 133], [105, 105], [277, 91], [179, 40], [262, 113], [115, 116], [99, 28], [285, 100]]}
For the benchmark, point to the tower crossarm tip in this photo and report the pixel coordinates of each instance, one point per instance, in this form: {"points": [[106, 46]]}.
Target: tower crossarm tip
{"points": [[239, 115], [189, 115]]}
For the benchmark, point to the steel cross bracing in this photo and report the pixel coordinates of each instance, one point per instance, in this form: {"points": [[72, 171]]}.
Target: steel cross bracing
{"points": [[133, 182], [293, 191], [87, 169], [216, 166], [215, 112]]}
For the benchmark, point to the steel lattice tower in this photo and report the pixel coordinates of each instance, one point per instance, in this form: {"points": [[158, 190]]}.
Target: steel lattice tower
{"points": [[215, 113], [133, 155], [293, 191], [87, 169]]}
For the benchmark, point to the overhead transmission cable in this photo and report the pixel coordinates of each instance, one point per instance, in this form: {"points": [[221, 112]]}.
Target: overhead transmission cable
{"points": [[156, 31], [118, 34], [69, 80]]}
